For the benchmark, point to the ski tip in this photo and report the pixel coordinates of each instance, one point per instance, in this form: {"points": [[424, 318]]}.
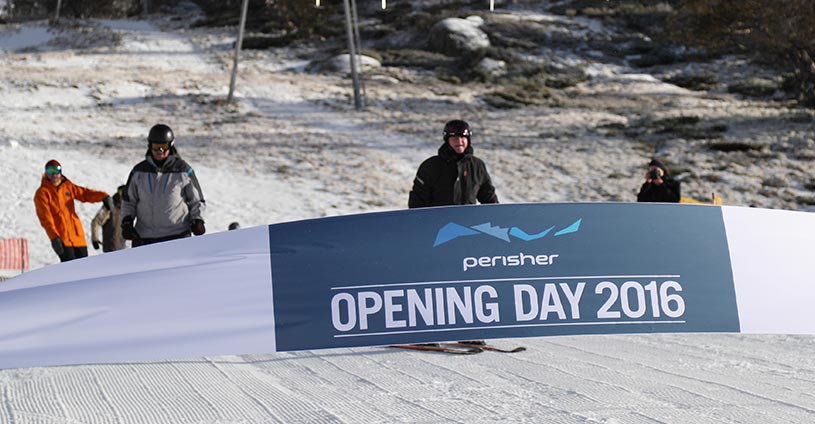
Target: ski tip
{"points": [[436, 347]]}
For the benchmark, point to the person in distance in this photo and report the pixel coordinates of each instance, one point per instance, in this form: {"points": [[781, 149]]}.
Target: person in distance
{"points": [[162, 199], [54, 201], [454, 176], [658, 185], [106, 226]]}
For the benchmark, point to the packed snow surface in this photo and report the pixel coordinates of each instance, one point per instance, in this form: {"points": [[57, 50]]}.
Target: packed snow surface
{"points": [[291, 148]]}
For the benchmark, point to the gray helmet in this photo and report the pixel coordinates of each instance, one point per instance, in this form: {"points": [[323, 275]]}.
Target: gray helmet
{"points": [[161, 134]]}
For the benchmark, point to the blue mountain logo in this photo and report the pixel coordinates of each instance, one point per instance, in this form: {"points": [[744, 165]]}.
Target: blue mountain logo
{"points": [[452, 231]]}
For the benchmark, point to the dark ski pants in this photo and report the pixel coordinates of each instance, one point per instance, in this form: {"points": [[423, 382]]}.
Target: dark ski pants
{"points": [[71, 253], [146, 241]]}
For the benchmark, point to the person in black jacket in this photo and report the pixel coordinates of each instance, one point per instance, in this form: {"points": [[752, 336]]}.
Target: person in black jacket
{"points": [[659, 186], [454, 176]]}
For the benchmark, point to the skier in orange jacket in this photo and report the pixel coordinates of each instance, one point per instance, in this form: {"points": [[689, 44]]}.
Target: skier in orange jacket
{"points": [[54, 201]]}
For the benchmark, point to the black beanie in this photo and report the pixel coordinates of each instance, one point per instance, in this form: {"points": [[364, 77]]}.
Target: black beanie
{"points": [[658, 164]]}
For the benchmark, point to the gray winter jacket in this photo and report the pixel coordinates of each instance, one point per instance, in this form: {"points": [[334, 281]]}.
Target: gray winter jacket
{"points": [[164, 201]]}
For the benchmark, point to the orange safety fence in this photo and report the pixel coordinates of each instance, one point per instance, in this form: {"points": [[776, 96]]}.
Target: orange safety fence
{"points": [[13, 257]]}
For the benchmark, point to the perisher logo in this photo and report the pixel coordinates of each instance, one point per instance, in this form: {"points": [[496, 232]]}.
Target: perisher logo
{"points": [[452, 231]]}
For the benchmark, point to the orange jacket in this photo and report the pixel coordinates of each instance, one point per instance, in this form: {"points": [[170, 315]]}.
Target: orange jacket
{"points": [[55, 208]]}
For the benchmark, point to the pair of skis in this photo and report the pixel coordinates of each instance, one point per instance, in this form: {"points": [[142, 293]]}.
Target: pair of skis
{"points": [[459, 348]]}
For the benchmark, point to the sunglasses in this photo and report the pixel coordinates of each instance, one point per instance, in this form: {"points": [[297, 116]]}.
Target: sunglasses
{"points": [[53, 170], [160, 148]]}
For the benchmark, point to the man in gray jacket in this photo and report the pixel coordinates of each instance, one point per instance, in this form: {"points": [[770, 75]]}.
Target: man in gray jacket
{"points": [[163, 200]]}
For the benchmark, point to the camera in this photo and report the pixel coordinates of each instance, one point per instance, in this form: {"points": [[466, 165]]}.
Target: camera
{"points": [[654, 174]]}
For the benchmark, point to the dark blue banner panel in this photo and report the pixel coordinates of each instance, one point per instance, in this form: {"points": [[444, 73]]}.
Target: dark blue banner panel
{"points": [[497, 271]]}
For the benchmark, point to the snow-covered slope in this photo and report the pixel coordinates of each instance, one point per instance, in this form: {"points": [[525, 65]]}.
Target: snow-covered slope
{"points": [[293, 148]]}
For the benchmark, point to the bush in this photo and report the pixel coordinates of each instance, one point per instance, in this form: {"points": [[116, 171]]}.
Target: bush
{"points": [[782, 32], [79, 9], [415, 58], [521, 92], [298, 19], [754, 87], [694, 81]]}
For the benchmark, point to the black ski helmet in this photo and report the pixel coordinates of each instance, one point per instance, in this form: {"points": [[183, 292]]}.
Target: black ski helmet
{"points": [[161, 134], [457, 127]]}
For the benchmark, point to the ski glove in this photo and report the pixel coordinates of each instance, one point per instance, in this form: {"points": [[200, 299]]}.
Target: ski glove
{"points": [[58, 246], [95, 244], [107, 202], [197, 227], [128, 230]]}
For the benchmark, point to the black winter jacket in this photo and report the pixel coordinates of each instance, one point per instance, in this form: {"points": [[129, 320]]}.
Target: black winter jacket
{"points": [[452, 179], [667, 192]]}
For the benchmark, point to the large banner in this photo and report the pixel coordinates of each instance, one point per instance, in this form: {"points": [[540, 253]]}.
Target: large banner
{"points": [[453, 273], [501, 271]]}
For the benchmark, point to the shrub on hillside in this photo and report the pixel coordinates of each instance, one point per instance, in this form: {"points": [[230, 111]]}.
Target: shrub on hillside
{"points": [[82, 9], [783, 33]]}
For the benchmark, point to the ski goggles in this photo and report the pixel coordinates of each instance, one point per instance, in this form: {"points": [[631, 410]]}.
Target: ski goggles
{"points": [[53, 170], [464, 133], [159, 148]]}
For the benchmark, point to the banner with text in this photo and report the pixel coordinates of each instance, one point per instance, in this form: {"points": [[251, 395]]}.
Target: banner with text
{"points": [[452, 273], [501, 271]]}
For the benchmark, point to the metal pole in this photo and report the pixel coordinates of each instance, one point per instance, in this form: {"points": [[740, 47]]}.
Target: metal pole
{"points": [[358, 44], [352, 52], [59, 6], [237, 51]]}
